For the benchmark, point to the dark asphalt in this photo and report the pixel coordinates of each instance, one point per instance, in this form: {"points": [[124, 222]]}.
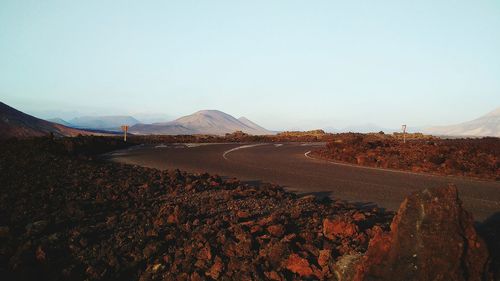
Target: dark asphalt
{"points": [[288, 166]]}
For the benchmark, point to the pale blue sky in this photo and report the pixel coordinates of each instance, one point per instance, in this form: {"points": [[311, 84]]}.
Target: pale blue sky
{"points": [[284, 64]]}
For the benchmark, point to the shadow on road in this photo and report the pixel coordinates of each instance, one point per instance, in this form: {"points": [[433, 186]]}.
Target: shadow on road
{"points": [[323, 195], [253, 183]]}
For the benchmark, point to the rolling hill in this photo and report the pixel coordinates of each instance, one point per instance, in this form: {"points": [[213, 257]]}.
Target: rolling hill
{"points": [[486, 125], [210, 122], [14, 123]]}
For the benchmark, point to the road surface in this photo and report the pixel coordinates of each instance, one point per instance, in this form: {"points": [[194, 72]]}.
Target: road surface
{"points": [[290, 165]]}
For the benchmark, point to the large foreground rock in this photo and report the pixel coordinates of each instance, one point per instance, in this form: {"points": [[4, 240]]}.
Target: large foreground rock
{"points": [[432, 238]]}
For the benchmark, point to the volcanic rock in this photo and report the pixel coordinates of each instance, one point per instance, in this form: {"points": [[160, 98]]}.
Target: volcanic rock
{"points": [[324, 257], [242, 214], [478, 158], [299, 265], [273, 275], [216, 268], [432, 238], [338, 228], [276, 230], [205, 253], [69, 218]]}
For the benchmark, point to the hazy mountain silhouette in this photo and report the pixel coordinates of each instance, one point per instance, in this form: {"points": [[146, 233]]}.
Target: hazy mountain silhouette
{"points": [[110, 123], [213, 122], [486, 125]]}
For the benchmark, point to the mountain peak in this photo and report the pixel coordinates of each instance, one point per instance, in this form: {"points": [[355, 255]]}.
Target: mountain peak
{"points": [[495, 112], [210, 121], [209, 111], [486, 125]]}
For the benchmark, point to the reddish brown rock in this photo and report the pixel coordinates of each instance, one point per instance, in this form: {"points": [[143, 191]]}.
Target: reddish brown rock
{"points": [[273, 275], [461, 157], [358, 217], [338, 228], [275, 253], [298, 265], [267, 220], [432, 238], [205, 253], [255, 229], [242, 214], [40, 254], [172, 219], [276, 230], [324, 257], [216, 269], [196, 277], [361, 160]]}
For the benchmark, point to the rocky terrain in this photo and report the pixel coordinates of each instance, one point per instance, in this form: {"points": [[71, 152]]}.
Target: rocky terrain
{"points": [[478, 158], [66, 216]]}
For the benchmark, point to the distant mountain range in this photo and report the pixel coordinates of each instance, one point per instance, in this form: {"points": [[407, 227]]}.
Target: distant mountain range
{"points": [[99, 123], [213, 122], [108, 123], [14, 123], [486, 125], [219, 123]]}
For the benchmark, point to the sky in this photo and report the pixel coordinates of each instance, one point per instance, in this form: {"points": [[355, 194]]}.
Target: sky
{"points": [[283, 64]]}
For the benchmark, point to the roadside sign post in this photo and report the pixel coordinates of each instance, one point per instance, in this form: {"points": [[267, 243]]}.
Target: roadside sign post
{"points": [[404, 133], [124, 129]]}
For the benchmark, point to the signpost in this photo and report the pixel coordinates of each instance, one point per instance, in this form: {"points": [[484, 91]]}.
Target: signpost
{"points": [[124, 129], [404, 133]]}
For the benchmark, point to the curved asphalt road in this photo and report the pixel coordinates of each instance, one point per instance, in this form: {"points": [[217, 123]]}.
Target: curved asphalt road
{"points": [[289, 165]]}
